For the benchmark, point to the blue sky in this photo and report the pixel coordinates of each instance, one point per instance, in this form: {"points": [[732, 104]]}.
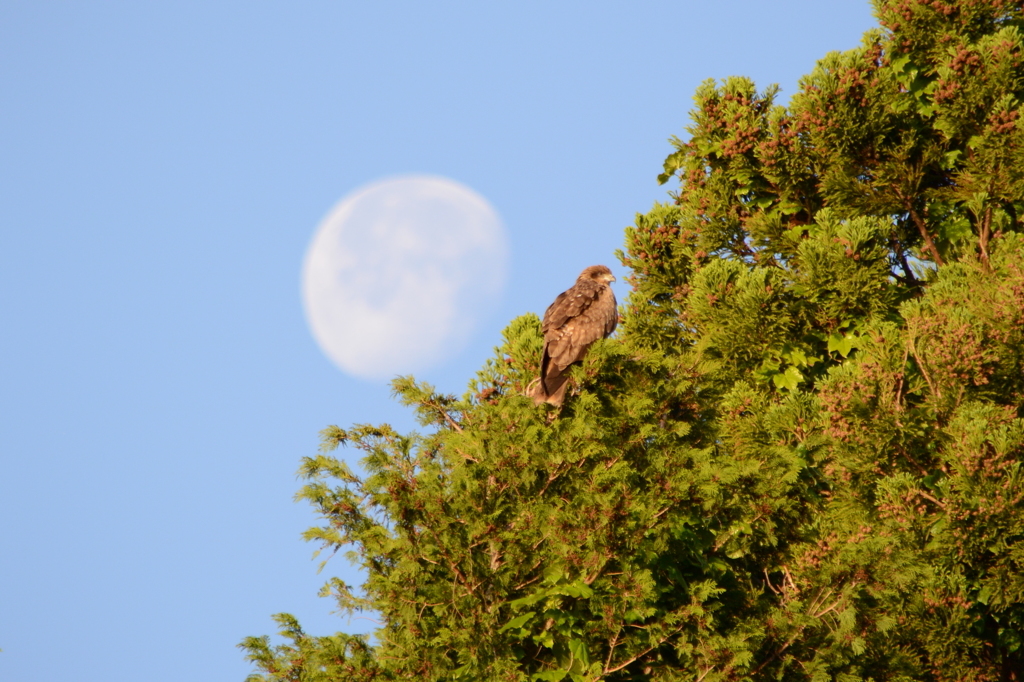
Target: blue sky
{"points": [[163, 167]]}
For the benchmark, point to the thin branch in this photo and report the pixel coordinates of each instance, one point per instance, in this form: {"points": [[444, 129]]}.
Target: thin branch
{"points": [[551, 477], [538, 543], [705, 673], [642, 653], [611, 650], [903, 451], [901, 258], [447, 417], [920, 365], [830, 608], [789, 578], [465, 456], [768, 582], [899, 386], [923, 229], [777, 653], [819, 599], [495, 557], [531, 580], [985, 234], [931, 499]]}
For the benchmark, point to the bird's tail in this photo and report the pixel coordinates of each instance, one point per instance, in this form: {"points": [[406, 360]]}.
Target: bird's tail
{"points": [[536, 391], [540, 394]]}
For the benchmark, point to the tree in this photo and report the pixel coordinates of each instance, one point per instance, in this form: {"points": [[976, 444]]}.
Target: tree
{"points": [[800, 459]]}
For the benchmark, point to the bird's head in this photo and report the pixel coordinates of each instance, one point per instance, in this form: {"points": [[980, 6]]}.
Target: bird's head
{"points": [[599, 273]]}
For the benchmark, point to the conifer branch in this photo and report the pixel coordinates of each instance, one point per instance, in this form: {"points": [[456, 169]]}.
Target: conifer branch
{"points": [[837, 195]]}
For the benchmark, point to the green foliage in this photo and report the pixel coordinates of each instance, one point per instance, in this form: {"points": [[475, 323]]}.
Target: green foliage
{"points": [[311, 659], [800, 458]]}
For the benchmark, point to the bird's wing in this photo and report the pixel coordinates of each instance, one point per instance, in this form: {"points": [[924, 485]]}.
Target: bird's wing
{"points": [[570, 304], [595, 318]]}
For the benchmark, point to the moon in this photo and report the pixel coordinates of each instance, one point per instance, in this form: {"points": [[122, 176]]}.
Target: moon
{"points": [[400, 272]]}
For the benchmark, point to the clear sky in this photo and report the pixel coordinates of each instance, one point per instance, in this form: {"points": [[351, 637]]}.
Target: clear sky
{"points": [[163, 167]]}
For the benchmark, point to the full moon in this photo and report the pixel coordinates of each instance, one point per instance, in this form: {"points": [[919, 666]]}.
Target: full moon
{"points": [[400, 271]]}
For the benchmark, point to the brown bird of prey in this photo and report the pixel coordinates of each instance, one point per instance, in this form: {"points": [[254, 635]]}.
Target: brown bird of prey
{"points": [[578, 317]]}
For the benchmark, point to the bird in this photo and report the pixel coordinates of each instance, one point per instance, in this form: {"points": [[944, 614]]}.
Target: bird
{"points": [[581, 315]]}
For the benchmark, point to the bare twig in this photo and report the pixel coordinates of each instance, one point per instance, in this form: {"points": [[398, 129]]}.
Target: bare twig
{"points": [[768, 582], [830, 609], [789, 578], [611, 649], [819, 599]]}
